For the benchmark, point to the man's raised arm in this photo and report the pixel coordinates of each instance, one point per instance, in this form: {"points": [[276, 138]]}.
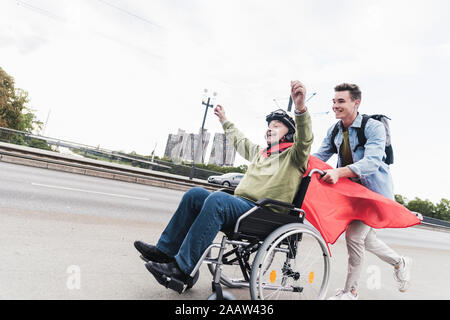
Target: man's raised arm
{"points": [[303, 133], [247, 149]]}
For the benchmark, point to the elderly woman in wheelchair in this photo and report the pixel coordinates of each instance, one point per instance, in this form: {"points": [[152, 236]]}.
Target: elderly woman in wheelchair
{"points": [[265, 241]]}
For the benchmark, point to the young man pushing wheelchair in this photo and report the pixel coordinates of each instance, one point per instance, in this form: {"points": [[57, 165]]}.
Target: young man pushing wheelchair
{"points": [[274, 172]]}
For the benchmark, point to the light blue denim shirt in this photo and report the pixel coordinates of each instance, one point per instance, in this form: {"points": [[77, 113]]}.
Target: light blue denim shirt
{"points": [[368, 161]]}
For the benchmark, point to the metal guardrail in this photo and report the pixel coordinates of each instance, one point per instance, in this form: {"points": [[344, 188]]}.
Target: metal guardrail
{"points": [[432, 222]]}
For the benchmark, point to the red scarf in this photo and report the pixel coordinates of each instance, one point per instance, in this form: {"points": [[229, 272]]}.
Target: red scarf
{"points": [[276, 148]]}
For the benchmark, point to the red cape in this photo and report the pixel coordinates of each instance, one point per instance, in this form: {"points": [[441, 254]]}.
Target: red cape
{"points": [[330, 208]]}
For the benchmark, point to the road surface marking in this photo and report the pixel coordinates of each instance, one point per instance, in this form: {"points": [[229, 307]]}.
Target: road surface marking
{"points": [[89, 191]]}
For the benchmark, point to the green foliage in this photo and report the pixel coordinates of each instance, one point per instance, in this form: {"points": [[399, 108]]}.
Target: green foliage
{"points": [[216, 168], [400, 199], [439, 210], [210, 167], [38, 143], [202, 171], [443, 209], [16, 138], [14, 112], [16, 115], [425, 207]]}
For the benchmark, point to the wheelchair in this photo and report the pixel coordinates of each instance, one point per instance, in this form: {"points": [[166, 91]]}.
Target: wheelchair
{"points": [[273, 254]]}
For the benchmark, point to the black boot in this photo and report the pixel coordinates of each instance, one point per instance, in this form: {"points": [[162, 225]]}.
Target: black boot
{"points": [[151, 253]]}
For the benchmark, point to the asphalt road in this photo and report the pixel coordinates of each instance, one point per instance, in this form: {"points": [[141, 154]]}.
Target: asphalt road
{"points": [[69, 236]]}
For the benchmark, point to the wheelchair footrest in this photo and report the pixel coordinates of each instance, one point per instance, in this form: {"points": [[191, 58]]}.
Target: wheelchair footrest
{"points": [[174, 284]]}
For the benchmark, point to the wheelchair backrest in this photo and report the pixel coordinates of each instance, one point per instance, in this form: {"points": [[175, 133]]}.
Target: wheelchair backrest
{"points": [[301, 192]]}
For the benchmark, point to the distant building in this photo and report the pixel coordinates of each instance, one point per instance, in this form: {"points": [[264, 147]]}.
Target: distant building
{"points": [[200, 146], [222, 151], [174, 144], [182, 146]]}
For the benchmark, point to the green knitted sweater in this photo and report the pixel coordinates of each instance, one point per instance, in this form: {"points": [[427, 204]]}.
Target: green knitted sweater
{"points": [[278, 176]]}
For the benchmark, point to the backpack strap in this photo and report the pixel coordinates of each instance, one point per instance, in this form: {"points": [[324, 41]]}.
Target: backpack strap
{"points": [[388, 149], [334, 133], [360, 132]]}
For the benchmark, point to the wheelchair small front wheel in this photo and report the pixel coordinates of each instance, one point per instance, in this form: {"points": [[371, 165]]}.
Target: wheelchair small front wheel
{"points": [[231, 274], [292, 263], [226, 296]]}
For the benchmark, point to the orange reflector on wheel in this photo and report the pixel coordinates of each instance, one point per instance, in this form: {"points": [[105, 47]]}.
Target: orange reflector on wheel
{"points": [[311, 277], [273, 276]]}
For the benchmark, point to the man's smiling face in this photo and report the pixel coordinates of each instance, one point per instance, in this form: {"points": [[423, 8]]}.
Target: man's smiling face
{"points": [[343, 105]]}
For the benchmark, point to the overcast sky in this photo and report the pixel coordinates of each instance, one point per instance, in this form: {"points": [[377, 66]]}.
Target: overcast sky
{"points": [[123, 74]]}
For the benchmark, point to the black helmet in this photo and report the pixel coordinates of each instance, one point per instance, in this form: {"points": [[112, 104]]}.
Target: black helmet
{"points": [[284, 117]]}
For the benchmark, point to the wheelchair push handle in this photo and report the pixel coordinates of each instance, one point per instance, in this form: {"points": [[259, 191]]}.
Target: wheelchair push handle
{"points": [[322, 173]]}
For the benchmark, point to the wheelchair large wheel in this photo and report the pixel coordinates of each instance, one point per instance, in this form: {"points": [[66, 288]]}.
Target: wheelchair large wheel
{"points": [[292, 263]]}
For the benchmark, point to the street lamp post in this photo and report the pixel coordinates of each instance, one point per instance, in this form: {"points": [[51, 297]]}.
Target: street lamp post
{"points": [[290, 101], [207, 106]]}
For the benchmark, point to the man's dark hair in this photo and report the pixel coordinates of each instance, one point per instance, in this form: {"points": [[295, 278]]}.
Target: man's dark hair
{"points": [[355, 92]]}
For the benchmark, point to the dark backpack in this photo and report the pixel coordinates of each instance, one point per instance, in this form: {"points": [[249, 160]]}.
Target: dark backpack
{"points": [[362, 138]]}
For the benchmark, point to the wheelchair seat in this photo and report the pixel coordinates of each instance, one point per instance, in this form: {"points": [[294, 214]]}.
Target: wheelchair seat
{"points": [[259, 223]]}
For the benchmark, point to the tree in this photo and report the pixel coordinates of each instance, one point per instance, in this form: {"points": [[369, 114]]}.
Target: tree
{"points": [[7, 114], [14, 112], [401, 199], [443, 209], [425, 207], [439, 210]]}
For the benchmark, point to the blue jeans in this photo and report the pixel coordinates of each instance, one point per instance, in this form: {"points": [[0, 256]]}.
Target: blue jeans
{"points": [[196, 222]]}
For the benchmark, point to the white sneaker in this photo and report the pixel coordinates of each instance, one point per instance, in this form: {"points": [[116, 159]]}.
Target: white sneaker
{"points": [[342, 295], [403, 274]]}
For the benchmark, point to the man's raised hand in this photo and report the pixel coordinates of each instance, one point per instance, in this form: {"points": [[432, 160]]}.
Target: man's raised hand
{"points": [[298, 93], [220, 113]]}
